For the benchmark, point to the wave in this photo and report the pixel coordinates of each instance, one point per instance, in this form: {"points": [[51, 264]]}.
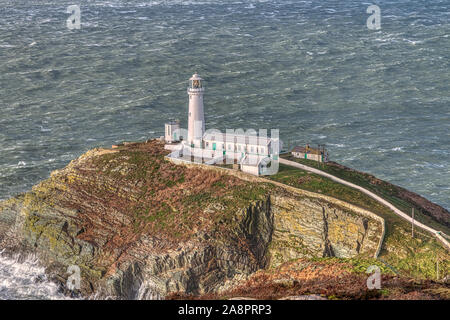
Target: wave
{"points": [[26, 279]]}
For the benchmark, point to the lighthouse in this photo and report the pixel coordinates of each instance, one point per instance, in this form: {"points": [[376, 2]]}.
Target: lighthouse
{"points": [[196, 117], [252, 152]]}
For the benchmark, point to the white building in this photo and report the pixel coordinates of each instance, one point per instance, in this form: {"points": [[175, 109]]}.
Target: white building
{"points": [[172, 131], [307, 152], [252, 152], [255, 164]]}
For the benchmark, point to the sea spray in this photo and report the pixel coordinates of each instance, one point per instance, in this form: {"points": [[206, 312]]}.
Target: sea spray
{"points": [[25, 278]]}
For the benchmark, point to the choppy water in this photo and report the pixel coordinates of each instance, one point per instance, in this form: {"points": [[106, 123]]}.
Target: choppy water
{"points": [[25, 279], [378, 99]]}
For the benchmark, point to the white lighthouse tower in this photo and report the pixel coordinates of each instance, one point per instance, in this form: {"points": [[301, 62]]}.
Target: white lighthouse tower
{"points": [[196, 120]]}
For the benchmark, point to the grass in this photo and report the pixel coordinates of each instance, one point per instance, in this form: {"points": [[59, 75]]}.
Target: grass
{"points": [[386, 190], [358, 264], [412, 256], [170, 199], [176, 202], [312, 182]]}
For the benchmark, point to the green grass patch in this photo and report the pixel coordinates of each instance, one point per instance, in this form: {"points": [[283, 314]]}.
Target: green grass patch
{"points": [[411, 256], [386, 190]]}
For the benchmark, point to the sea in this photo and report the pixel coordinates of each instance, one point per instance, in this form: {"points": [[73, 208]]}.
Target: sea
{"points": [[377, 96]]}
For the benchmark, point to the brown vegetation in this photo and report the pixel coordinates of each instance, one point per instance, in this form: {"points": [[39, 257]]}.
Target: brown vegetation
{"points": [[330, 279]]}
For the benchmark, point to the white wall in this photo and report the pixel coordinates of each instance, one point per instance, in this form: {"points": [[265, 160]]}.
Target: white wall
{"points": [[250, 169]]}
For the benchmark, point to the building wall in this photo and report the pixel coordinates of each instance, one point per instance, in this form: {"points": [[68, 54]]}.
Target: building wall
{"points": [[170, 130], [250, 169], [196, 118], [309, 156], [237, 148]]}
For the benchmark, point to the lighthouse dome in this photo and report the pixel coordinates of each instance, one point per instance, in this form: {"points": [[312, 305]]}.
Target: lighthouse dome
{"points": [[195, 77]]}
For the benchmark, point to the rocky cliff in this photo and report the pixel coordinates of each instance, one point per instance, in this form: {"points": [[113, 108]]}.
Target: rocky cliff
{"points": [[139, 226]]}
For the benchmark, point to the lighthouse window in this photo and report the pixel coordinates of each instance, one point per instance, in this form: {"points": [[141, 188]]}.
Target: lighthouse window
{"points": [[196, 84]]}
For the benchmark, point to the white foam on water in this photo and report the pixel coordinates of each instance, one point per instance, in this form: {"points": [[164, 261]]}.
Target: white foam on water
{"points": [[26, 280], [338, 145]]}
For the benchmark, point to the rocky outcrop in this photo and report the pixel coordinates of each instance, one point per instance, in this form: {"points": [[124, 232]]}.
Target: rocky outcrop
{"points": [[141, 227], [201, 265], [311, 227]]}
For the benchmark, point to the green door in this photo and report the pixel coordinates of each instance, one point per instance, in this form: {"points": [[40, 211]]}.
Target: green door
{"points": [[214, 146], [306, 156]]}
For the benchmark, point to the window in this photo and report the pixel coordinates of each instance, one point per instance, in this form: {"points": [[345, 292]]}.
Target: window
{"points": [[252, 149]]}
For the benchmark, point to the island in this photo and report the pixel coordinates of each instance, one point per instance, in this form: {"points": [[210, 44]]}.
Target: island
{"points": [[140, 226]]}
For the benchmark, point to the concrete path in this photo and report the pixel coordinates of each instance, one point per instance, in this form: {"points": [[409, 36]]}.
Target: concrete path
{"points": [[370, 194]]}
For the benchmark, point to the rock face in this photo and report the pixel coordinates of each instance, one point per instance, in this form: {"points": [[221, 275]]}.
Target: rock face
{"points": [[141, 227], [200, 265], [309, 227]]}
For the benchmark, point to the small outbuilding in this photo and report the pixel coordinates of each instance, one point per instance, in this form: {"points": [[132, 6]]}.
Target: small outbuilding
{"points": [[172, 131], [254, 164], [310, 153]]}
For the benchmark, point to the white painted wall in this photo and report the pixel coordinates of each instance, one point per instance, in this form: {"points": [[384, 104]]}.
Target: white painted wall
{"points": [[196, 117], [250, 169], [172, 129]]}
